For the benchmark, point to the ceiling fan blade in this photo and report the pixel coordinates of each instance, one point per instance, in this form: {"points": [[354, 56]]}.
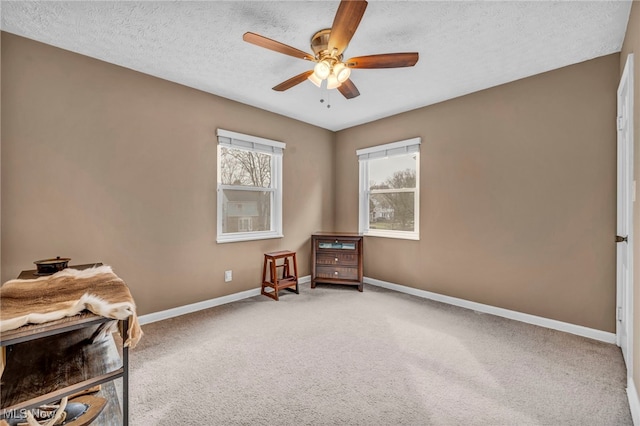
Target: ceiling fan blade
{"points": [[345, 24], [385, 60], [292, 81], [348, 89], [276, 46]]}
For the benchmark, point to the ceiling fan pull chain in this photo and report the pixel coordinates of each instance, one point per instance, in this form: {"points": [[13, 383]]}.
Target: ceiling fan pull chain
{"points": [[323, 90]]}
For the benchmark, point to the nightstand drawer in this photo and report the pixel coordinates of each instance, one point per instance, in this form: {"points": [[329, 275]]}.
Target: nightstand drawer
{"points": [[336, 258], [335, 244], [337, 273]]}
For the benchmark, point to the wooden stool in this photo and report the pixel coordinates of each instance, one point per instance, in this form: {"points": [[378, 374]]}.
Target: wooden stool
{"points": [[287, 281]]}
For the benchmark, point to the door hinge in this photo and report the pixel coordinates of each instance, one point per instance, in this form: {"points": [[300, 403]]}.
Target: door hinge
{"points": [[620, 123], [619, 318]]}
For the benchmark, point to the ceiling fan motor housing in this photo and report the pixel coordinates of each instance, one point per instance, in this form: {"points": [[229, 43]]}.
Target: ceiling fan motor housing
{"points": [[320, 45], [320, 41]]}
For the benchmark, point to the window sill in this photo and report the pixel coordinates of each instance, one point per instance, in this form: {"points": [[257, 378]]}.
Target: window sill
{"points": [[414, 236], [247, 236]]}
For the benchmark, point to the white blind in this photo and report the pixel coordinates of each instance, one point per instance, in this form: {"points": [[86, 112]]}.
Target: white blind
{"points": [[249, 143], [390, 149]]}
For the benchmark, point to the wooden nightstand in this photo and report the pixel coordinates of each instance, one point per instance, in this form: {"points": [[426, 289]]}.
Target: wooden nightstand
{"points": [[336, 258]]}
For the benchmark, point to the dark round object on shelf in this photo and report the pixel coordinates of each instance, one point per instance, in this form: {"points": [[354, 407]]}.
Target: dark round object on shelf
{"points": [[51, 266]]}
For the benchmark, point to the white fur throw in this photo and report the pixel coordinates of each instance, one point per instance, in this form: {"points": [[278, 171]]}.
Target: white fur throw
{"points": [[67, 293]]}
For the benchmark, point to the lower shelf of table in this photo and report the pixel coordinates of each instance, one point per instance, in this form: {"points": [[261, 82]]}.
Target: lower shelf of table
{"points": [[44, 370]]}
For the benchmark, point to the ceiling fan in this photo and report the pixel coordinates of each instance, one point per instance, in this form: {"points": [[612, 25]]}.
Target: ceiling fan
{"points": [[328, 46]]}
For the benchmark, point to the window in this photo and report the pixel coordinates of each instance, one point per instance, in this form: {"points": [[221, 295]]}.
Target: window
{"points": [[389, 190], [249, 187]]}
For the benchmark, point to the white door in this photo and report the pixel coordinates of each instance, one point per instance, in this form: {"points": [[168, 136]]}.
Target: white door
{"points": [[626, 198]]}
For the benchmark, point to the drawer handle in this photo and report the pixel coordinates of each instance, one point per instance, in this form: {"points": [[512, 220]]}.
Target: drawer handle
{"points": [[336, 259], [335, 273]]}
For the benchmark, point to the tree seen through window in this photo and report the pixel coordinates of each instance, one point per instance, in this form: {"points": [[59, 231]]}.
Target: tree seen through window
{"points": [[391, 202], [246, 210]]}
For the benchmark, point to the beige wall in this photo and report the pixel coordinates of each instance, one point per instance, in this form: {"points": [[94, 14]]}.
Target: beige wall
{"points": [[101, 163], [518, 187], [632, 45]]}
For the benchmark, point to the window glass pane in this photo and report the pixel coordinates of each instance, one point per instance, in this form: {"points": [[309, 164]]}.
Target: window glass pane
{"points": [[246, 168], [246, 211], [392, 211], [393, 172]]}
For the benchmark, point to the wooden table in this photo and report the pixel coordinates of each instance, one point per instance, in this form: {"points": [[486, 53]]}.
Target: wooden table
{"points": [[46, 362]]}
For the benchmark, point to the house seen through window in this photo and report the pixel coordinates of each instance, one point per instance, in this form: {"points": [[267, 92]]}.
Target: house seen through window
{"points": [[249, 187], [389, 189]]}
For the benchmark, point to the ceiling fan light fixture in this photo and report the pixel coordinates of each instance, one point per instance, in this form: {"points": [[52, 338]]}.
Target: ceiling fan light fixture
{"points": [[322, 70], [341, 71], [314, 79], [332, 82]]}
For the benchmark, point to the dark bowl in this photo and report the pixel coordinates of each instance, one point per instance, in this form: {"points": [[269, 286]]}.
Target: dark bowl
{"points": [[51, 266]]}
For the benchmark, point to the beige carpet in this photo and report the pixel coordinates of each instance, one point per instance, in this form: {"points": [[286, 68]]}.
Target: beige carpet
{"points": [[334, 356]]}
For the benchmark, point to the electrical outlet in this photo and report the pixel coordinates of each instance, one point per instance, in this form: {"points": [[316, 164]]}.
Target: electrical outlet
{"points": [[228, 276]]}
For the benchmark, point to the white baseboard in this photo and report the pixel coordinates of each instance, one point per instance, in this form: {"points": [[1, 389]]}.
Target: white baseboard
{"points": [[579, 330], [205, 304], [634, 402]]}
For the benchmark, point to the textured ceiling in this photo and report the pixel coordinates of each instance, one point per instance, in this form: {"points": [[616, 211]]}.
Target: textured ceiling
{"points": [[464, 46]]}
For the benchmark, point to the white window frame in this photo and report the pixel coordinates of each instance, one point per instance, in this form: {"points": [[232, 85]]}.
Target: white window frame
{"points": [[235, 140], [405, 147]]}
